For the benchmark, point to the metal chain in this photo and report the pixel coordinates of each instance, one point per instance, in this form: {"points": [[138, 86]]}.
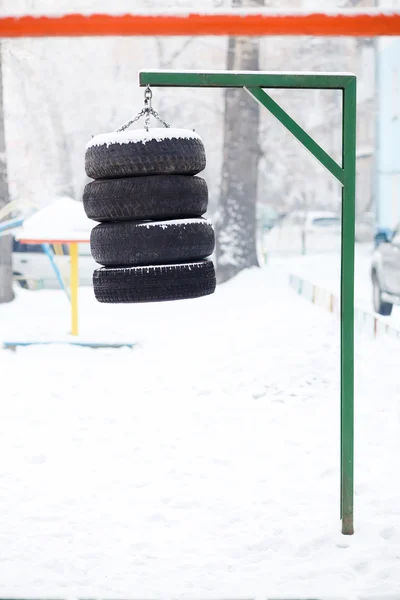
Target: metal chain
{"points": [[146, 111], [157, 116], [148, 94], [131, 121]]}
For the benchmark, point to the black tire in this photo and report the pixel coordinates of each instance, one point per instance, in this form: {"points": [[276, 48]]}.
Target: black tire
{"points": [[147, 197], [129, 244], [133, 153], [380, 307], [155, 283]]}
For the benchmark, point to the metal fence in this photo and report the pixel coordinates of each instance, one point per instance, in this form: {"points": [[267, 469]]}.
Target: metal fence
{"points": [[370, 323]]}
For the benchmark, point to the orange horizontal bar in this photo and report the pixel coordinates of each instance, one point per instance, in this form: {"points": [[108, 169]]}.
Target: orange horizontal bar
{"points": [[50, 241], [191, 24]]}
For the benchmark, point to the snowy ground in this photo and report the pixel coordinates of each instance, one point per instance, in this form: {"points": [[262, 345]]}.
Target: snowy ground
{"points": [[203, 463]]}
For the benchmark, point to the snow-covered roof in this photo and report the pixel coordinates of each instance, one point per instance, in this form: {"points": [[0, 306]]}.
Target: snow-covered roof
{"points": [[62, 221]]}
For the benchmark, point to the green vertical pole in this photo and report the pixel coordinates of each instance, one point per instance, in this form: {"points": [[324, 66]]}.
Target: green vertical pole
{"points": [[347, 310]]}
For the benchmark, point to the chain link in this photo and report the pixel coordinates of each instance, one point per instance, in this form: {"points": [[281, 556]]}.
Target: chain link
{"points": [[148, 94], [146, 112], [160, 119], [131, 121]]}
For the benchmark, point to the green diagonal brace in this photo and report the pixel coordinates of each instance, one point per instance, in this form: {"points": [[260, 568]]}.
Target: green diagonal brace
{"points": [[327, 161]]}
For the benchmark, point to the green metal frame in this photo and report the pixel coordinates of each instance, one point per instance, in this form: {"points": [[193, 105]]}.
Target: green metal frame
{"points": [[255, 83]]}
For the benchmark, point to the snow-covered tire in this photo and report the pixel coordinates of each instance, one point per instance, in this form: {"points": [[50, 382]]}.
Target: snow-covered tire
{"points": [[152, 243], [140, 152], [147, 197], [154, 283]]}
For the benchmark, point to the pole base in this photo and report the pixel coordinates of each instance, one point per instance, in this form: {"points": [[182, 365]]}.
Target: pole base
{"points": [[347, 526]]}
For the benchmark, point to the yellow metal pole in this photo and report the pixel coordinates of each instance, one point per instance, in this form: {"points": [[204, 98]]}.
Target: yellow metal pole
{"points": [[74, 283]]}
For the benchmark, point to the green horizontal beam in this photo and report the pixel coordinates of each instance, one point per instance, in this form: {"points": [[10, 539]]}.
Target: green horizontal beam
{"points": [[247, 79], [323, 157]]}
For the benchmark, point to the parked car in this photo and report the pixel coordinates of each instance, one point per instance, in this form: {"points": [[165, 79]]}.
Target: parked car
{"points": [[300, 232], [32, 267], [385, 271]]}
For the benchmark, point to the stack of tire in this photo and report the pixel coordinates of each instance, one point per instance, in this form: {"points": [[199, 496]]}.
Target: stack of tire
{"points": [[151, 238]]}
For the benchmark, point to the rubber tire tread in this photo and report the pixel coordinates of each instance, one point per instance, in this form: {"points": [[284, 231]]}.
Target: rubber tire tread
{"points": [[179, 156], [128, 243], [154, 284], [148, 197]]}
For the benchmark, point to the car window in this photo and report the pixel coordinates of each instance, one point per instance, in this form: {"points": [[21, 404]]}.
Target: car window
{"points": [[17, 246], [20, 247], [326, 222], [34, 248], [31, 248]]}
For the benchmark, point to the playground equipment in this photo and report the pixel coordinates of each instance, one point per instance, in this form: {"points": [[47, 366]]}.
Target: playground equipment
{"points": [[74, 270], [367, 22], [254, 83], [260, 23], [13, 222], [63, 222], [151, 240], [12, 226]]}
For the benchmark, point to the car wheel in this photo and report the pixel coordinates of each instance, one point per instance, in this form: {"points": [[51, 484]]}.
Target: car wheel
{"points": [[380, 307], [23, 283]]}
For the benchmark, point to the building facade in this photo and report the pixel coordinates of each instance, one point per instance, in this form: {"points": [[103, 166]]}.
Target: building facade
{"points": [[388, 134]]}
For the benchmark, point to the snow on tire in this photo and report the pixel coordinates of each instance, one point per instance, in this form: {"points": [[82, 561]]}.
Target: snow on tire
{"points": [[154, 283], [151, 243], [140, 152], [146, 197]]}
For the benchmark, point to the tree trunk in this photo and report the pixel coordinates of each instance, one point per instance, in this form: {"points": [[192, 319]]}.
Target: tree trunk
{"points": [[236, 227], [65, 184], [6, 273]]}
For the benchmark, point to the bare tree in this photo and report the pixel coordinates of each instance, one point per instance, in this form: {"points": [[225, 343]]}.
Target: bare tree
{"points": [[236, 228], [6, 273]]}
